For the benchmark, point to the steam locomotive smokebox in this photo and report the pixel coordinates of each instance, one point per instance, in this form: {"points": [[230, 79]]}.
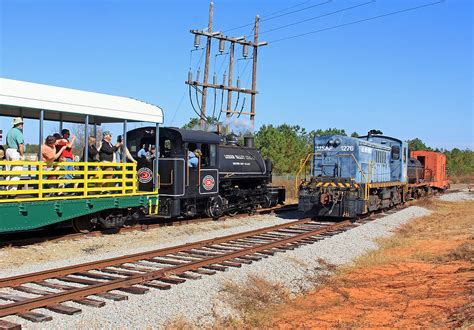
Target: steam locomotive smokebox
{"points": [[248, 141], [239, 161]]}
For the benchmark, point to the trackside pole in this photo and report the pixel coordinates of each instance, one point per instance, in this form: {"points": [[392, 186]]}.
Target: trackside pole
{"points": [[86, 139], [157, 156], [40, 155]]}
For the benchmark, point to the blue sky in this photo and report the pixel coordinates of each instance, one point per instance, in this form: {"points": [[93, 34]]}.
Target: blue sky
{"points": [[409, 75]]}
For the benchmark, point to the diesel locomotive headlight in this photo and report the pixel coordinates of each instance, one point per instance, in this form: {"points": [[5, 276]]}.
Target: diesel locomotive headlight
{"points": [[331, 142], [337, 142]]}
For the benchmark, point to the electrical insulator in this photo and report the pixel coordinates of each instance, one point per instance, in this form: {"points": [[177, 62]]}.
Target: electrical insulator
{"points": [[197, 40], [225, 76], [190, 76], [245, 51], [238, 82], [198, 74], [221, 45], [214, 79]]}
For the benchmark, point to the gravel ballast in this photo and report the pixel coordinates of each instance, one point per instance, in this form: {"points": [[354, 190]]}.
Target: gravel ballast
{"points": [[198, 300]]}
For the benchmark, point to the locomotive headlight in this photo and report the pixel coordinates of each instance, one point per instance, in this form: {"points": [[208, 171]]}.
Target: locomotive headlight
{"points": [[337, 142], [331, 142]]}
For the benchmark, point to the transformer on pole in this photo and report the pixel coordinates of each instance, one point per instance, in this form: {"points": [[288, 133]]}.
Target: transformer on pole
{"points": [[229, 84]]}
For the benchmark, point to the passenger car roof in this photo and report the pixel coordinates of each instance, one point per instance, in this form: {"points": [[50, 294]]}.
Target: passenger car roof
{"points": [[26, 99]]}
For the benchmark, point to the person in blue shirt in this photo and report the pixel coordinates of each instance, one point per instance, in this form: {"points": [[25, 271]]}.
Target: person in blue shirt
{"points": [[142, 152], [193, 158]]}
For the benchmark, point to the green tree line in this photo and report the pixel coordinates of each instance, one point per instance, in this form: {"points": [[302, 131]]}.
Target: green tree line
{"points": [[286, 145]]}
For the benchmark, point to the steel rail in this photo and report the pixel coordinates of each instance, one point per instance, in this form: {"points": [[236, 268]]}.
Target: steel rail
{"points": [[38, 276], [138, 227], [74, 294]]}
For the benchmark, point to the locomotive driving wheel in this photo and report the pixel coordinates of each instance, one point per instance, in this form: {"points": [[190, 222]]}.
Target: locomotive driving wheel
{"points": [[83, 224], [215, 207]]}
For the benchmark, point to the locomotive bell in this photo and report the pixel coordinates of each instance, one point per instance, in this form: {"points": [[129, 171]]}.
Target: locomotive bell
{"points": [[232, 139]]}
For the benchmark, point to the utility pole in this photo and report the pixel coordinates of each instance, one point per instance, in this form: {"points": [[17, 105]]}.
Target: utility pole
{"points": [[254, 69], [206, 67], [229, 87], [231, 69]]}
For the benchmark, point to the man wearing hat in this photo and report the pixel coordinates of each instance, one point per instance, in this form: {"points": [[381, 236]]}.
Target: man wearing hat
{"points": [[15, 148]]}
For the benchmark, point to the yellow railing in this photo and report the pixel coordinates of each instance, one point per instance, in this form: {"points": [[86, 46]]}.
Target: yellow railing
{"points": [[26, 181], [302, 167]]}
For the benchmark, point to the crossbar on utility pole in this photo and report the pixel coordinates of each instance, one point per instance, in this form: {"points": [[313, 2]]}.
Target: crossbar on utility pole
{"points": [[229, 87]]}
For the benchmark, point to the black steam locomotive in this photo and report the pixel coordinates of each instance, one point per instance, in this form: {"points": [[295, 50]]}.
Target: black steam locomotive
{"points": [[226, 178]]}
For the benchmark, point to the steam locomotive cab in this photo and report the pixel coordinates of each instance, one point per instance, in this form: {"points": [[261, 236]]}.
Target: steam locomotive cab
{"points": [[200, 174]]}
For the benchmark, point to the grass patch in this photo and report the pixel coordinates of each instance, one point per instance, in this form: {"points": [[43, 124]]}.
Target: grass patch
{"points": [[256, 302], [448, 219], [464, 251], [179, 323]]}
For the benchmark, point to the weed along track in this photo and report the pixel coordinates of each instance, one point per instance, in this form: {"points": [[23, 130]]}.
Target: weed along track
{"points": [[158, 269]]}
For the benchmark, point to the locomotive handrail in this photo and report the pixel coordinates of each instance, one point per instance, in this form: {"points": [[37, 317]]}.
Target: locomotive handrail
{"points": [[41, 181], [302, 166]]}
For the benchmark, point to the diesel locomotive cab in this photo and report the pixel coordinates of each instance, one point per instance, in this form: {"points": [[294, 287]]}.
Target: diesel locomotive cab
{"points": [[205, 173]]}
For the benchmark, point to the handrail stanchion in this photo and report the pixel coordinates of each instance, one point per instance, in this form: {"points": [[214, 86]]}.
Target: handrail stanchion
{"points": [[39, 169], [86, 178]]}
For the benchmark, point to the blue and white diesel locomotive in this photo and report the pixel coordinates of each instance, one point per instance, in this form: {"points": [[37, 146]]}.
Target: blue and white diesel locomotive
{"points": [[354, 176]]}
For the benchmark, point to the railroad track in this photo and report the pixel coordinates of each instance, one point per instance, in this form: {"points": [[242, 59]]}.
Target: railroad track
{"points": [[112, 279], [65, 234]]}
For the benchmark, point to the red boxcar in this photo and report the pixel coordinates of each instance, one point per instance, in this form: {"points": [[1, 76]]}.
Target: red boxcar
{"points": [[434, 164]]}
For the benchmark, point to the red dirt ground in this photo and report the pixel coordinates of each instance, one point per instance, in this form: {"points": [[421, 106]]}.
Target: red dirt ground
{"points": [[407, 291]]}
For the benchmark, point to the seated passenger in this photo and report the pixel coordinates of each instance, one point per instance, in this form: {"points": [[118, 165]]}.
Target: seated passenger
{"points": [[150, 155], [48, 150], [142, 152], [193, 161]]}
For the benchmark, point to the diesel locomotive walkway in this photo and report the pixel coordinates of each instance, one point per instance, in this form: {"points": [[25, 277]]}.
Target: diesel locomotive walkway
{"points": [[157, 269]]}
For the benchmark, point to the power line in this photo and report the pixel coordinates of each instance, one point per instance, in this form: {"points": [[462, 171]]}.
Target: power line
{"points": [[317, 17], [287, 8], [178, 107], [273, 15], [296, 11], [358, 21]]}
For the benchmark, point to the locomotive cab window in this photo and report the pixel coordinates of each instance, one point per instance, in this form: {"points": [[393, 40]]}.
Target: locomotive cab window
{"points": [[165, 147], [208, 157], [205, 155], [395, 152], [212, 155]]}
